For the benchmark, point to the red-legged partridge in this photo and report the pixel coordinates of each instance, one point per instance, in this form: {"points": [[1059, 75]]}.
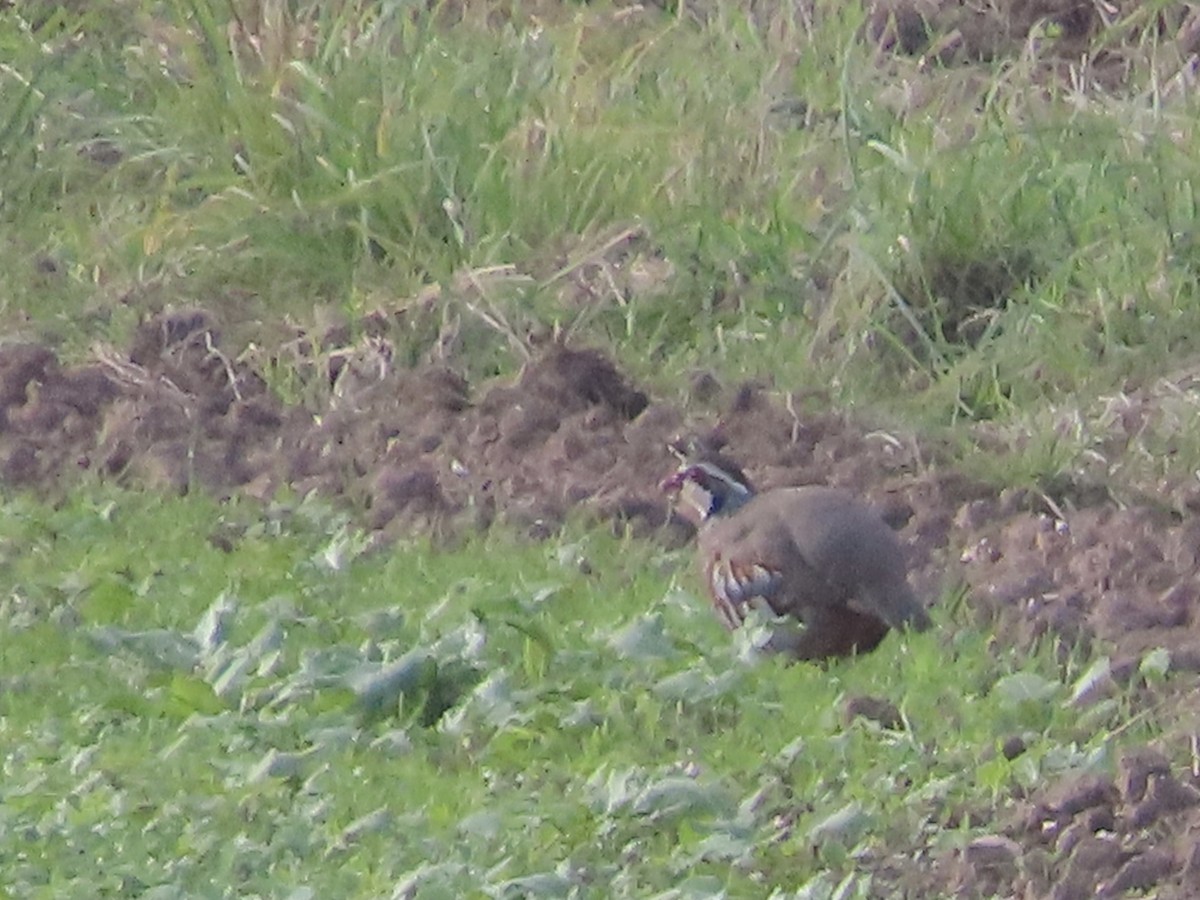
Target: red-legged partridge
{"points": [[812, 553]]}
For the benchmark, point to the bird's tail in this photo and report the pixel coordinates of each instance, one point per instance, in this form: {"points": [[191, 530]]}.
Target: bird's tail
{"points": [[899, 608]]}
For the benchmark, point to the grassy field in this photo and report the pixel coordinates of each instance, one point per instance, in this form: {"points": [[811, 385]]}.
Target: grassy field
{"points": [[229, 699], [186, 720]]}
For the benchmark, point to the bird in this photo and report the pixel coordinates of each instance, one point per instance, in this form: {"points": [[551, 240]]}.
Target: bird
{"points": [[814, 553]]}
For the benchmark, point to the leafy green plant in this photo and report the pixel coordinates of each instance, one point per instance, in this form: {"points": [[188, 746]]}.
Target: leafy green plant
{"points": [[280, 711], [256, 712]]}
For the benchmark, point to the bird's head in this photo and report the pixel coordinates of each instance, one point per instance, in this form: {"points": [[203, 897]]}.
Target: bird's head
{"points": [[704, 489]]}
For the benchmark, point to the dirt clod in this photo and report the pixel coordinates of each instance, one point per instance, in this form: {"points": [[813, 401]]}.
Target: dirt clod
{"points": [[874, 709], [1136, 769], [994, 853], [1013, 747]]}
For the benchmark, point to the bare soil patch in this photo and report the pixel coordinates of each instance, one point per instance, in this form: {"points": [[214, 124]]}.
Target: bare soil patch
{"points": [[1085, 837], [421, 448]]}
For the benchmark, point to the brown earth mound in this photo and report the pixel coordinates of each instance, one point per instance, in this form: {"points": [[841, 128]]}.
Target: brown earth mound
{"points": [[423, 448], [1088, 836]]}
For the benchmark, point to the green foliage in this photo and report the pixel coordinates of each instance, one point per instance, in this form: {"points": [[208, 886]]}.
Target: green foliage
{"points": [[990, 250], [487, 721], [297, 716]]}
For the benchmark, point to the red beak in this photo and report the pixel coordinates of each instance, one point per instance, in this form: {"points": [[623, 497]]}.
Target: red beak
{"points": [[674, 482]]}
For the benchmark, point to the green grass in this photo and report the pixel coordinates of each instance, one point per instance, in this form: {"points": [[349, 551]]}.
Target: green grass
{"points": [[994, 252], [945, 249], [293, 713]]}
